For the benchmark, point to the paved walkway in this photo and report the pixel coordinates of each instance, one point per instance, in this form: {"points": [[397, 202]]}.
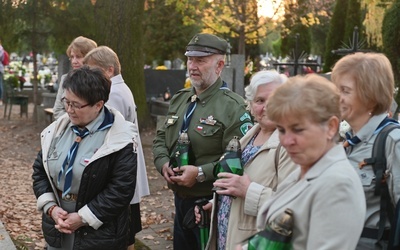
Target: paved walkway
{"points": [[157, 236], [5, 240], [157, 210], [159, 213]]}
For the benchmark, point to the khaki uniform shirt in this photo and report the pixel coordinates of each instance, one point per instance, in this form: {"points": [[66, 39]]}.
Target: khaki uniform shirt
{"points": [[363, 150], [220, 115]]}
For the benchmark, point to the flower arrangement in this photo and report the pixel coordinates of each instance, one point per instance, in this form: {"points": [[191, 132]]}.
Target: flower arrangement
{"points": [[44, 76], [14, 74]]}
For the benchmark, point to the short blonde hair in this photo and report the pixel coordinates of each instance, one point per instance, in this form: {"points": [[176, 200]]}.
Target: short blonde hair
{"points": [[81, 45], [305, 97], [373, 77], [103, 57]]}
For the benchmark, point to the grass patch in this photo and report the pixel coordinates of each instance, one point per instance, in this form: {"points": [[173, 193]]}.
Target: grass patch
{"points": [[21, 242], [140, 246]]}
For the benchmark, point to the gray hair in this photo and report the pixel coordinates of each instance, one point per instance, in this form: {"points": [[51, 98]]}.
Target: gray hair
{"points": [[260, 78]]}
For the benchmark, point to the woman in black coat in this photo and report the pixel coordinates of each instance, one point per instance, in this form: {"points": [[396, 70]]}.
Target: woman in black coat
{"points": [[85, 174]]}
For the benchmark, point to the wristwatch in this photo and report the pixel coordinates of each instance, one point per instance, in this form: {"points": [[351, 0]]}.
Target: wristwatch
{"points": [[200, 176]]}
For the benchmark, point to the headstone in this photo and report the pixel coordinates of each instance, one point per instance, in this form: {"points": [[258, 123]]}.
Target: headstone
{"points": [[234, 74], [167, 64], [157, 81], [177, 64], [48, 99]]}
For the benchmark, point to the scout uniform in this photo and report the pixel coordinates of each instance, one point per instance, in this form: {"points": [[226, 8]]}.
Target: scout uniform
{"points": [[219, 116], [210, 119]]}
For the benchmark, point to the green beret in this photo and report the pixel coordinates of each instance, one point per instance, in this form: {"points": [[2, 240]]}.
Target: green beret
{"points": [[205, 45]]}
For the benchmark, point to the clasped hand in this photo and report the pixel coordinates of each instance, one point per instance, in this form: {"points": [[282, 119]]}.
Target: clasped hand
{"points": [[183, 176], [66, 222]]}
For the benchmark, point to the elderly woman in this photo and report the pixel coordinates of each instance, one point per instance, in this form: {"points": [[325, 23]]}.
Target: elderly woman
{"points": [[85, 174], [324, 194], [265, 165], [366, 85], [121, 98], [76, 52]]}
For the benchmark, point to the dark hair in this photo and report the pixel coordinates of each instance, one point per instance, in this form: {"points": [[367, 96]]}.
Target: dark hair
{"points": [[91, 85]]}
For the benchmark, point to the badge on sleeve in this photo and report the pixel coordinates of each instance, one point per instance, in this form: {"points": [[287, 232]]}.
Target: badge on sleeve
{"points": [[245, 116], [245, 127]]}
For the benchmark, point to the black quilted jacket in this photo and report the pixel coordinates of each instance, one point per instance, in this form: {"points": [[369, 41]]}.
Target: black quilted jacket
{"points": [[104, 189]]}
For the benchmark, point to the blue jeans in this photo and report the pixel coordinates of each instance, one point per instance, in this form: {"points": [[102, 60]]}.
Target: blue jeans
{"points": [[185, 239]]}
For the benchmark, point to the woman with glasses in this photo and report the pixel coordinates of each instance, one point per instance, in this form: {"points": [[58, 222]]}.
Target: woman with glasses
{"points": [[85, 174], [76, 51]]}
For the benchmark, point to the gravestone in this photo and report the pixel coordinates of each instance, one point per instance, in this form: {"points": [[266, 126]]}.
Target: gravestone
{"points": [[157, 82], [178, 64], [233, 74]]}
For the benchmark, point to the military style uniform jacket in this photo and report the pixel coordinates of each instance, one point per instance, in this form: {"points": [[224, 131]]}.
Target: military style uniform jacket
{"points": [[220, 115]]}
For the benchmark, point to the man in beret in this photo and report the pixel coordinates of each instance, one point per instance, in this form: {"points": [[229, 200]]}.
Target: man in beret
{"points": [[210, 115]]}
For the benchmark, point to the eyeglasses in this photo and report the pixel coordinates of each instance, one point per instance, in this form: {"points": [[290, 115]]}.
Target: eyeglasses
{"points": [[72, 105]]}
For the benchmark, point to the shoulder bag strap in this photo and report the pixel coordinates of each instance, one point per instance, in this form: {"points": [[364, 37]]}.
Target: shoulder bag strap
{"points": [[277, 153], [378, 162]]}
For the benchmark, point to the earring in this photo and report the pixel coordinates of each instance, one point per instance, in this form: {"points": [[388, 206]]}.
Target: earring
{"points": [[369, 113]]}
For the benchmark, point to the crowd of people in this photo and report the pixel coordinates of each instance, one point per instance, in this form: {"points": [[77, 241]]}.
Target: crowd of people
{"points": [[90, 174]]}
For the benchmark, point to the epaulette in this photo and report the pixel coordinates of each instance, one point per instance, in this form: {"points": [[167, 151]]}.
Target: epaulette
{"points": [[234, 96], [180, 93], [183, 90]]}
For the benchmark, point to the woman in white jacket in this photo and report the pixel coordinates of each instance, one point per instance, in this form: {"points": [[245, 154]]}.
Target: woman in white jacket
{"points": [[121, 98]]}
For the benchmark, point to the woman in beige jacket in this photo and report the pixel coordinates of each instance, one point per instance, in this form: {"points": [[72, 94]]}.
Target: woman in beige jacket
{"points": [[265, 165], [325, 193]]}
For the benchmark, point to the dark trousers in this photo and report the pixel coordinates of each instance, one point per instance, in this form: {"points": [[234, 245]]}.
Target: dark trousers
{"points": [[189, 238], [135, 222]]}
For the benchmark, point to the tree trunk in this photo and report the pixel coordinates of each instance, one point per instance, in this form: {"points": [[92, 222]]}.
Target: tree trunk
{"points": [[242, 42], [35, 69], [124, 34]]}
